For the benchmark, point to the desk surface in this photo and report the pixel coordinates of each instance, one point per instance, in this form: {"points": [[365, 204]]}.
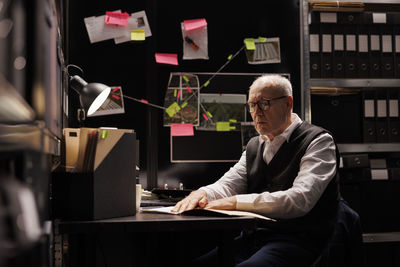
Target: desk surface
{"points": [[150, 222]]}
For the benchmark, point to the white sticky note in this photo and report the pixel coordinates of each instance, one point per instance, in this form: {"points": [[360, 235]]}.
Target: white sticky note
{"points": [[350, 42], [375, 45], [369, 109], [363, 43], [338, 42], [314, 43], [326, 43], [393, 108], [328, 17], [379, 17]]}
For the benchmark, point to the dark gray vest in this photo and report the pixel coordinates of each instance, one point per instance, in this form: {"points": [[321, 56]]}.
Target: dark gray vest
{"points": [[280, 173]]}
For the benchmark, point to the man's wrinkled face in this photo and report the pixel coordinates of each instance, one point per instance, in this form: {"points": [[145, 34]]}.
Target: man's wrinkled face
{"points": [[271, 119]]}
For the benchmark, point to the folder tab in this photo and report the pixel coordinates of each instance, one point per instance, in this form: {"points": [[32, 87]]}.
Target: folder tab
{"points": [[394, 120], [314, 43], [375, 45], [326, 43], [369, 108], [363, 43], [350, 42], [338, 42], [393, 108], [381, 108], [369, 128]]}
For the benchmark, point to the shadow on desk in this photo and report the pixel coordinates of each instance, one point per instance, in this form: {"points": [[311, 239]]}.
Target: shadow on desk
{"points": [[149, 239]]}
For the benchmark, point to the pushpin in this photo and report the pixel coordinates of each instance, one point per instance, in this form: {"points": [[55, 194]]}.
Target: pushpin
{"points": [[191, 43]]}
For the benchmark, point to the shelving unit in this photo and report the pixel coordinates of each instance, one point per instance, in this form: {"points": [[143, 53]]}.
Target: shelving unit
{"points": [[371, 239]]}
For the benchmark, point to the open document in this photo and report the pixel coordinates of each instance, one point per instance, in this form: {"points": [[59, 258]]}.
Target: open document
{"points": [[207, 212]]}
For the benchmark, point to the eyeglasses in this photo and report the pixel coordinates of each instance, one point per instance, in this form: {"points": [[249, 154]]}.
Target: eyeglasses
{"points": [[262, 105]]}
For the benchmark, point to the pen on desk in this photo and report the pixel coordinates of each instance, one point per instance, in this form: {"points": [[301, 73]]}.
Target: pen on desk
{"points": [[191, 43]]}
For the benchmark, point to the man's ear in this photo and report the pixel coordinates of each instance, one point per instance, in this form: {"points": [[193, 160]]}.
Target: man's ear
{"points": [[290, 102]]}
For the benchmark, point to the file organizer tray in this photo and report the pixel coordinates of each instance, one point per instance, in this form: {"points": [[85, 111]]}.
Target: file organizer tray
{"points": [[107, 192]]}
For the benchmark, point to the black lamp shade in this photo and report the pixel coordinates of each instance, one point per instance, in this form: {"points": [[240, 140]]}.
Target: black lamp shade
{"points": [[92, 95]]}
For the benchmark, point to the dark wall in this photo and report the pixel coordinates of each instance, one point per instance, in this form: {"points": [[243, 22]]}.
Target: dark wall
{"points": [[132, 66]]}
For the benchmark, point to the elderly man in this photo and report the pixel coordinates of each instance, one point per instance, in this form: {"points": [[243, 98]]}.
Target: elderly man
{"points": [[288, 172]]}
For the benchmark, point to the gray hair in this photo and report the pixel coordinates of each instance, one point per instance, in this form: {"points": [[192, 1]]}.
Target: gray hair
{"points": [[275, 81]]}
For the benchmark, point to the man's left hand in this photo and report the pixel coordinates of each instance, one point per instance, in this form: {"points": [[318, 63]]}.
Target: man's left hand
{"points": [[228, 203]]}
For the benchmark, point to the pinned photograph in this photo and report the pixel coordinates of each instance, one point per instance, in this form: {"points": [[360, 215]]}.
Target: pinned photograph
{"points": [[137, 21], [181, 99], [263, 50], [224, 112]]}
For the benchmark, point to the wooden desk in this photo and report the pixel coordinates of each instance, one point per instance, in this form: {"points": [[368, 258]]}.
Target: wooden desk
{"points": [[145, 237]]}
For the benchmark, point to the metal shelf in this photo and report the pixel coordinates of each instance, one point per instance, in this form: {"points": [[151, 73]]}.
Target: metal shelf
{"points": [[381, 237], [355, 82], [372, 1], [28, 136], [369, 147]]}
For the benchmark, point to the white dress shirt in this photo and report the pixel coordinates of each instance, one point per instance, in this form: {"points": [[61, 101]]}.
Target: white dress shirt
{"points": [[317, 168]]}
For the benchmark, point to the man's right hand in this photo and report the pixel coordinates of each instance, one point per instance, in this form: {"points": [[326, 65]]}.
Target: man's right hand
{"points": [[194, 199]]}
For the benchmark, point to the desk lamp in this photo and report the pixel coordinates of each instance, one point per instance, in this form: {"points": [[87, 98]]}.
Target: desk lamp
{"points": [[91, 95]]}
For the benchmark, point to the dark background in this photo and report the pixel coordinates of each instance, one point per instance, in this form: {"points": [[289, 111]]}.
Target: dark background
{"points": [[132, 66]]}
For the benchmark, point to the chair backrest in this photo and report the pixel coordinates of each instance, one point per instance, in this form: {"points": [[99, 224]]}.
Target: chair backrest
{"points": [[345, 247]]}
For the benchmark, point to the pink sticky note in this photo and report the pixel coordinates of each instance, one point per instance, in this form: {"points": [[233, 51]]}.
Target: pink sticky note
{"points": [[167, 58], [193, 24], [117, 18], [182, 129]]}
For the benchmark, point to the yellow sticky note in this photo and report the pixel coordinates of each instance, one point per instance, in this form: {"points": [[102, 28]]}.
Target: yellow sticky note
{"points": [[104, 134], [209, 114], [206, 83], [175, 93], [232, 120], [262, 39], [230, 56], [232, 128], [173, 109], [184, 105], [138, 35], [250, 45], [223, 126], [185, 78]]}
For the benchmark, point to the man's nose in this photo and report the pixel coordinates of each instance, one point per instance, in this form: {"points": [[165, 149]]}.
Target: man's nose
{"points": [[258, 110]]}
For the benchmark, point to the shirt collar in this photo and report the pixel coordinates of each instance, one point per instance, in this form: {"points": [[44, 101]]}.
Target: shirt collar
{"points": [[287, 132]]}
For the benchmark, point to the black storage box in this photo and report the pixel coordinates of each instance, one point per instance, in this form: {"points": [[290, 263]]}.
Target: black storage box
{"points": [[108, 192]]}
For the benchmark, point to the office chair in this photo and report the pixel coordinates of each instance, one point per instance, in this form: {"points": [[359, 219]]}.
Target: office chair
{"points": [[345, 247]]}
